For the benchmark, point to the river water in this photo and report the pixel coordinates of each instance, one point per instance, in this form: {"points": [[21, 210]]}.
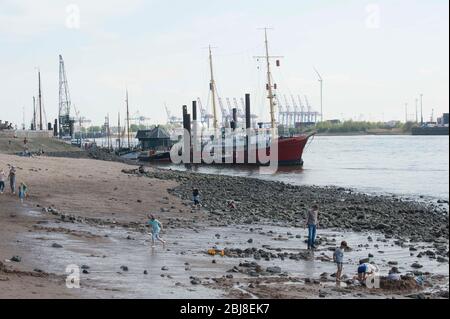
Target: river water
{"points": [[403, 165]]}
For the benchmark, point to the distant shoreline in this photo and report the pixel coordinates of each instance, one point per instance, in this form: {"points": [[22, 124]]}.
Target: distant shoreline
{"points": [[378, 133]]}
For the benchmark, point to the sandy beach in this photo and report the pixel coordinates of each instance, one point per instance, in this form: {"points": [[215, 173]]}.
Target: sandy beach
{"points": [[92, 214]]}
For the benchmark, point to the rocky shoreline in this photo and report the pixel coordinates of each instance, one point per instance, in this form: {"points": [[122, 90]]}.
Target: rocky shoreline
{"points": [[277, 203]]}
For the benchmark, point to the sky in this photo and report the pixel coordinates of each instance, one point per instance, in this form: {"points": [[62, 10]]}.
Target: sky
{"points": [[374, 56]]}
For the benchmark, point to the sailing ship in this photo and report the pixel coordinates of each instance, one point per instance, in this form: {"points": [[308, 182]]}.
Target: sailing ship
{"points": [[290, 148]]}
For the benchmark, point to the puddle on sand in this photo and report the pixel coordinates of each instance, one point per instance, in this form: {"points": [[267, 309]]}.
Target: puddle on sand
{"points": [[105, 256]]}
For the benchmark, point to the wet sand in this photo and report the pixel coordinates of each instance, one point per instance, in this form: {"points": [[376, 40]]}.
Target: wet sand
{"points": [[96, 213]]}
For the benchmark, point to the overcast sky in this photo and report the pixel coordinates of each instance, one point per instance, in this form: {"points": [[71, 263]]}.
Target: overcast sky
{"points": [[374, 56]]}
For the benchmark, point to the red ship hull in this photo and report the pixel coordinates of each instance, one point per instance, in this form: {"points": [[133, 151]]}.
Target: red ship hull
{"points": [[290, 153]]}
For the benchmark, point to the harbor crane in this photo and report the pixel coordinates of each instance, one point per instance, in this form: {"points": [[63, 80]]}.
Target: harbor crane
{"points": [[296, 110], [205, 116], [290, 113], [302, 109], [171, 119], [66, 122], [225, 114], [139, 119]]}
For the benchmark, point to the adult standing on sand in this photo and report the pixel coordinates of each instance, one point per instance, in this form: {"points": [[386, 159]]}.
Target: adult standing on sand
{"points": [[2, 181], [12, 179], [312, 222]]}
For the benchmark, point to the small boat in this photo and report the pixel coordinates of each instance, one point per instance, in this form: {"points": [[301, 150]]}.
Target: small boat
{"points": [[155, 156]]}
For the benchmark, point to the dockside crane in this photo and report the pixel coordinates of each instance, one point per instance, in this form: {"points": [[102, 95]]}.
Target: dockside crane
{"points": [[172, 120], [296, 110], [66, 122], [225, 114], [205, 116], [289, 112], [302, 109]]}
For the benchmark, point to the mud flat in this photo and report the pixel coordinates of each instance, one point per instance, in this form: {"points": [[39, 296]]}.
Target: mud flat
{"points": [[91, 214], [278, 203]]}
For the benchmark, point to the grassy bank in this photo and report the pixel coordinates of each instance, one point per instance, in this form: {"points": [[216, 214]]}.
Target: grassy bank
{"points": [[357, 128], [15, 145]]}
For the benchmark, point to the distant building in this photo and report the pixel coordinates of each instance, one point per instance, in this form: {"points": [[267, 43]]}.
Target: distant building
{"points": [[5, 125], [304, 124], [157, 139], [392, 124], [443, 121]]}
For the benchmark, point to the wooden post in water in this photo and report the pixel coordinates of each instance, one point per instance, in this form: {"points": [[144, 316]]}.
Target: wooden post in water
{"points": [[55, 128], [247, 125], [186, 132], [194, 111], [233, 127]]}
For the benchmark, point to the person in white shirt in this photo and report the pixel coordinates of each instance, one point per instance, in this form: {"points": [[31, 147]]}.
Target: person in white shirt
{"points": [[366, 269]]}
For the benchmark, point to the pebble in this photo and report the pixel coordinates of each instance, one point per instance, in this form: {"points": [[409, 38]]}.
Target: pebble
{"points": [[442, 259], [416, 265], [16, 259], [274, 270], [196, 281]]}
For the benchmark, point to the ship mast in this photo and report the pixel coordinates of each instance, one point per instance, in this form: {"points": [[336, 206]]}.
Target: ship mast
{"points": [[40, 100], [34, 114], [270, 86], [212, 87], [119, 131], [128, 119], [269, 82]]}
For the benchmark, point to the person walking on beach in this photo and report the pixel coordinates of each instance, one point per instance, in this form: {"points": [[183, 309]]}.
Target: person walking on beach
{"points": [[23, 191], [2, 181], [196, 196], [312, 223], [156, 228], [338, 258], [12, 179]]}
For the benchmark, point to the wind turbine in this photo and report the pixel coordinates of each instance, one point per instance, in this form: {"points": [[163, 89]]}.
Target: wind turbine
{"points": [[321, 94]]}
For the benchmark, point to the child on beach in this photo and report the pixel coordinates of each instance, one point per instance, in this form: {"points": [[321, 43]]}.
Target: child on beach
{"points": [[366, 269], [2, 181], [338, 258], [23, 191], [156, 228], [196, 196]]}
